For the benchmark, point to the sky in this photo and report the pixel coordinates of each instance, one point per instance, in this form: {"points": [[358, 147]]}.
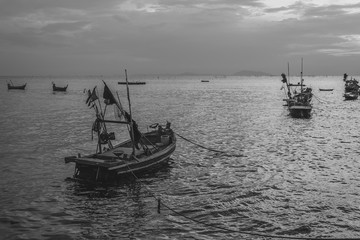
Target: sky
{"points": [[92, 37]]}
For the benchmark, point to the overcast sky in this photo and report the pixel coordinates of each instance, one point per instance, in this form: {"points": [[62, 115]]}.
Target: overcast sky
{"points": [[103, 37]]}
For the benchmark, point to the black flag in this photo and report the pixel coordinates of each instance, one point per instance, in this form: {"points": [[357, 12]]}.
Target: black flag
{"points": [[92, 96], [108, 96]]}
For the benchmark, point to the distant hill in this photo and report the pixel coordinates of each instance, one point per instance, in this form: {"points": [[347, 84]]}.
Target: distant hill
{"points": [[251, 73], [191, 74]]}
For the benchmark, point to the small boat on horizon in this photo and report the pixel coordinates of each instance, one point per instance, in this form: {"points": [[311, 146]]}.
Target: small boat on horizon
{"points": [[132, 83], [205, 81], [11, 86], [326, 89], [59, 89], [143, 152]]}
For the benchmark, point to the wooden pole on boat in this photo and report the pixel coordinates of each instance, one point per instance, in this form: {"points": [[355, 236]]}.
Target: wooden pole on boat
{"points": [[101, 115], [288, 81], [131, 122], [301, 75], [288, 72]]}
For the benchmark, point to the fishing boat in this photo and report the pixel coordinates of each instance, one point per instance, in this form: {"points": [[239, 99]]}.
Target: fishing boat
{"points": [[132, 83], [298, 97], [19, 87], [205, 81], [143, 152], [326, 89], [59, 89], [351, 88]]}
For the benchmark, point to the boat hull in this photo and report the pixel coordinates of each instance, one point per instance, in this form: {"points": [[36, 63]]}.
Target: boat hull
{"points": [[351, 96], [109, 166], [132, 83], [11, 87], [59, 89], [300, 111]]}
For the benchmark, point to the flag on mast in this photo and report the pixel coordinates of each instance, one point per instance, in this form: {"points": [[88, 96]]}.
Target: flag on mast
{"points": [[92, 96], [110, 99], [108, 96]]}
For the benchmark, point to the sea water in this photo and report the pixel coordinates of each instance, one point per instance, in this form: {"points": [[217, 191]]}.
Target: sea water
{"points": [[279, 176]]}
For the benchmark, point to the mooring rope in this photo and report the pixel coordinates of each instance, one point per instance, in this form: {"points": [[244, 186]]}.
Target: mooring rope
{"points": [[159, 201], [320, 100], [210, 149]]}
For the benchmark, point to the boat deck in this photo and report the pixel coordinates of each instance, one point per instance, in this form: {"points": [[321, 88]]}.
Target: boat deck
{"points": [[299, 107], [113, 157]]}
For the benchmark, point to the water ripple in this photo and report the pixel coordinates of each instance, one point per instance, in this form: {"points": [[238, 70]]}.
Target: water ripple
{"points": [[278, 176]]}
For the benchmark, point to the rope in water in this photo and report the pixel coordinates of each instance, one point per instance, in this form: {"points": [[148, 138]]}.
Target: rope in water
{"points": [[160, 203], [210, 149], [321, 100]]}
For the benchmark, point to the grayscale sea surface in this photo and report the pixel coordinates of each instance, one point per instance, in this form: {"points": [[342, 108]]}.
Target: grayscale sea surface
{"points": [[280, 177]]}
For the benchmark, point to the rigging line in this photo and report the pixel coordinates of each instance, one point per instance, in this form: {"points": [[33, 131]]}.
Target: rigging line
{"points": [[320, 100], [210, 149], [228, 229]]}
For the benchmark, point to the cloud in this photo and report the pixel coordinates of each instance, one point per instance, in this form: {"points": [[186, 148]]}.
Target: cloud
{"points": [[178, 34], [348, 45], [66, 28]]}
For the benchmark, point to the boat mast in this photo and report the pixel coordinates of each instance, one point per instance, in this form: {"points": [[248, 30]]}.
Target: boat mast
{"points": [[301, 75], [288, 82], [131, 121]]}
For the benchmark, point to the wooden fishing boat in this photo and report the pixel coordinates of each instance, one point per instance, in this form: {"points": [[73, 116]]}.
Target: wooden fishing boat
{"points": [[143, 152], [298, 100], [59, 89], [326, 89], [351, 88], [20, 87], [132, 83]]}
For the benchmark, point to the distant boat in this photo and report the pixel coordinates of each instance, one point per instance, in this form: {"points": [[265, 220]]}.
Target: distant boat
{"points": [[326, 89], [59, 89], [205, 81], [298, 100], [12, 86], [143, 152], [132, 83]]}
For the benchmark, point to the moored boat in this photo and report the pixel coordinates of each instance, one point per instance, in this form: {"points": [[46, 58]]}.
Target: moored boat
{"points": [[143, 152], [351, 88], [59, 89], [132, 83], [19, 87], [326, 89], [298, 100]]}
